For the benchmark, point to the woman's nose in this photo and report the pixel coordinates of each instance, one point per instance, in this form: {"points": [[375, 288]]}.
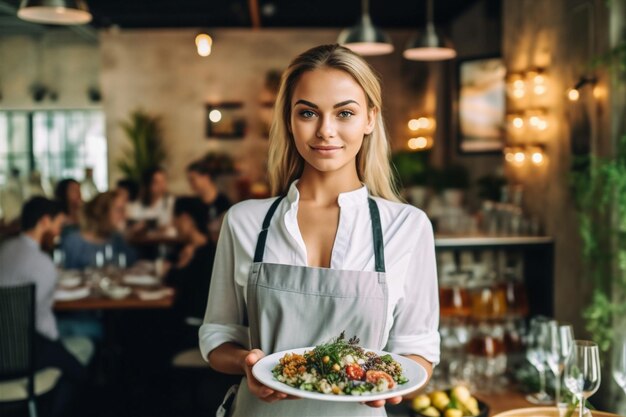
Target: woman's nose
{"points": [[326, 128]]}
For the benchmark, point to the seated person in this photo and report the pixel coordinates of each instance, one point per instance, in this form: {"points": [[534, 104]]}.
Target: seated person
{"points": [[155, 202], [67, 192], [100, 238], [22, 261], [190, 271], [200, 176]]}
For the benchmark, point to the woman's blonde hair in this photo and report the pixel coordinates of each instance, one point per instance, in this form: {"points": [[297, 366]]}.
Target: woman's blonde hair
{"points": [[372, 161], [96, 216]]}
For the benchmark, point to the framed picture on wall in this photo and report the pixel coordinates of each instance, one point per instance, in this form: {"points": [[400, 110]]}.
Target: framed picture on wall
{"points": [[481, 105], [225, 120]]}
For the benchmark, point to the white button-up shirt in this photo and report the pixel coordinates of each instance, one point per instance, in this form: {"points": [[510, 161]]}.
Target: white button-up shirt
{"points": [[413, 312]]}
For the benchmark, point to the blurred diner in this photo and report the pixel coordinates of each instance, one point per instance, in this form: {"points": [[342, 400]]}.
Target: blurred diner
{"points": [[100, 239]]}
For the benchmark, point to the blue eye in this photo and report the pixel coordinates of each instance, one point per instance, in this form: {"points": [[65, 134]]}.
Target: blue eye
{"points": [[345, 114], [307, 114]]}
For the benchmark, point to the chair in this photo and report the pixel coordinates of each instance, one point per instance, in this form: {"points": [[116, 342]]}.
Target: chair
{"points": [[19, 381]]}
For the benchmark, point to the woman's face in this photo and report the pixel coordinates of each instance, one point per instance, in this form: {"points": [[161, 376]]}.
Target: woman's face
{"points": [[159, 184], [74, 197], [117, 215], [197, 182], [329, 117]]}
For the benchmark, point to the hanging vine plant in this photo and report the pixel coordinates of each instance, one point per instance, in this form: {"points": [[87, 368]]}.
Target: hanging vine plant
{"points": [[600, 191]]}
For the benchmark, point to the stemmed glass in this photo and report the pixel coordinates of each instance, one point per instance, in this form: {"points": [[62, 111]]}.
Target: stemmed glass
{"points": [[558, 345], [619, 358], [582, 371], [536, 355]]}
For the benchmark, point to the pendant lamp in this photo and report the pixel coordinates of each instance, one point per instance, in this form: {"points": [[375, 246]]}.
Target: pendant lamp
{"points": [[365, 38], [429, 46], [55, 12]]}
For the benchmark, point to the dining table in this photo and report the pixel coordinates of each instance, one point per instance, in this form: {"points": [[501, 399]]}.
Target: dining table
{"points": [[112, 289]]}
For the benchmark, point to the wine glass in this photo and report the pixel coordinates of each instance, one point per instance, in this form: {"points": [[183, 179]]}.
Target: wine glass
{"points": [[558, 345], [582, 371], [619, 358], [536, 355]]}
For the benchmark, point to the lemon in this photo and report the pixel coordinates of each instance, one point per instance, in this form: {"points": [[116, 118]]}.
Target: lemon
{"points": [[420, 402]]}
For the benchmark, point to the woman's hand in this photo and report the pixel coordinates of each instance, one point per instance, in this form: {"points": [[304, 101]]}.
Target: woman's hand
{"points": [[256, 388], [381, 403]]}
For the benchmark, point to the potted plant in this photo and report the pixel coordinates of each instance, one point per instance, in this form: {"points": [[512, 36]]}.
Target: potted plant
{"points": [[144, 134], [413, 175]]}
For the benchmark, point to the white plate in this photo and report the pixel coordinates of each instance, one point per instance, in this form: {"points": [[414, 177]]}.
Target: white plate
{"points": [[70, 295], [147, 280], [414, 372]]}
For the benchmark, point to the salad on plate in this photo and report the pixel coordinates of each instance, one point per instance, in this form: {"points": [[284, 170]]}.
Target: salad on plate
{"points": [[340, 367]]}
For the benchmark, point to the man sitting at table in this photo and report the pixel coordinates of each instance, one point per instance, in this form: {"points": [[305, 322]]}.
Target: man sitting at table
{"points": [[22, 261], [201, 176]]}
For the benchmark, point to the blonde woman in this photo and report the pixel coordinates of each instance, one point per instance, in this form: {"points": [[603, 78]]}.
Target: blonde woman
{"points": [[293, 270], [99, 238]]}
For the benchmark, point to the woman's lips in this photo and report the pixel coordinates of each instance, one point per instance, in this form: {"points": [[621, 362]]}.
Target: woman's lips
{"points": [[325, 149]]}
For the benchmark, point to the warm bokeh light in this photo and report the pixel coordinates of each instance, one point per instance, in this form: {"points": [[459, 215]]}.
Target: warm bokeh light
{"points": [[204, 44], [537, 157], [215, 116], [509, 157], [518, 122], [519, 157], [423, 123], [573, 94], [414, 124], [420, 143]]}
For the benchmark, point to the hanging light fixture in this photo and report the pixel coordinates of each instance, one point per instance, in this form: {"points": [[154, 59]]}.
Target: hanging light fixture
{"points": [[365, 38], [55, 12], [429, 46]]}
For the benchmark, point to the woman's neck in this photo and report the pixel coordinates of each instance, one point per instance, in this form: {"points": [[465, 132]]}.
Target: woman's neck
{"points": [[323, 188], [91, 236], [209, 195]]}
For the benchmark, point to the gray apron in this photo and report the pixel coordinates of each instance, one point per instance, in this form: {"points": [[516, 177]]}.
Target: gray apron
{"points": [[293, 306]]}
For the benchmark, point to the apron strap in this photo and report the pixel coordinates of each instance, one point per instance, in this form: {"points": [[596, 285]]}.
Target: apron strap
{"points": [[377, 231], [260, 244]]}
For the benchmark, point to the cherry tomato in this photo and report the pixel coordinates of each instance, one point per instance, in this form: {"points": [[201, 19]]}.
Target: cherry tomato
{"points": [[354, 372], [374, 376]]}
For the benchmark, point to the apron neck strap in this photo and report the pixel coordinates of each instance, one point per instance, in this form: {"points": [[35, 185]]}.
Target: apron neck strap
{"points": [[260, 243], [377, 232]]}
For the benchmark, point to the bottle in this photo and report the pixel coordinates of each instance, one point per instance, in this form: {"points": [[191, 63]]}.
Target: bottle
{"points": [[88, 187]]}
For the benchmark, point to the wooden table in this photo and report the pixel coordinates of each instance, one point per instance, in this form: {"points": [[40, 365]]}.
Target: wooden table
{"points": [[104, 303]]}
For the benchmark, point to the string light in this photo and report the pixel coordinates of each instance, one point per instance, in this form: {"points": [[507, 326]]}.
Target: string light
{"points": [[204, 44]]}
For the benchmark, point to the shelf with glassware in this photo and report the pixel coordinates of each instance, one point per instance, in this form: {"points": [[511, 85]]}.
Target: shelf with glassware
{"points": [[488, 288]]}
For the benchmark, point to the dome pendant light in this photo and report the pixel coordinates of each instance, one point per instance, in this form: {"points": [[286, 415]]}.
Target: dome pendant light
{"points": [[55, 12], [365, 38], [429, 46]]}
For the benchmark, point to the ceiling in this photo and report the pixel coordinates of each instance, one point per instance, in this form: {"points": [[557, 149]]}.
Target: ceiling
{"points": [[255, 13]]}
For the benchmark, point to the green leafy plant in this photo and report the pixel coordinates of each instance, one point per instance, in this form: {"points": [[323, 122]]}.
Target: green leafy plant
{"points": [[412, 168], [600, 189], [146, 145]]}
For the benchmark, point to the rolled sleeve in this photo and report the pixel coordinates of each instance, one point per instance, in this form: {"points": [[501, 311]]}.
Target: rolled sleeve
{"points": [[224, 317], [416, 315]]}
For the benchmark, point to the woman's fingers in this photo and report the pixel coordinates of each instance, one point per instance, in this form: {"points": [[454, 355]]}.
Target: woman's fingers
{"points": [[381, 403]]}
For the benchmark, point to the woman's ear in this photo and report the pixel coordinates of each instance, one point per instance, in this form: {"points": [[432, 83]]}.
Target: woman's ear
{"points": [[371, 120]]}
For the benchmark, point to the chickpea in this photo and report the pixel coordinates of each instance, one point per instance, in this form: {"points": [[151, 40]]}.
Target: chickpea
{"points": [[325, 359], [336, 367]]}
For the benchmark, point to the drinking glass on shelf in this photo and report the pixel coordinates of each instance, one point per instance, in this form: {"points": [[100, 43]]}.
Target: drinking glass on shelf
{"points": [[582, 371], [558, 345], [536, 355], [619, 358], [486, 351]]}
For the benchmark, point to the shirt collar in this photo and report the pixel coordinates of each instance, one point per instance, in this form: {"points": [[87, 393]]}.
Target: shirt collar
{"points": [[349, 198], [30, 241]]}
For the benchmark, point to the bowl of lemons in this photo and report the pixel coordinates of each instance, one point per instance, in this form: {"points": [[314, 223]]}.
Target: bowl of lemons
{"points": [[455, 402]]}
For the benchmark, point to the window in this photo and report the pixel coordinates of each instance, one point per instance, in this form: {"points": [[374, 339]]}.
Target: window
{"points": [[57, 143]]}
